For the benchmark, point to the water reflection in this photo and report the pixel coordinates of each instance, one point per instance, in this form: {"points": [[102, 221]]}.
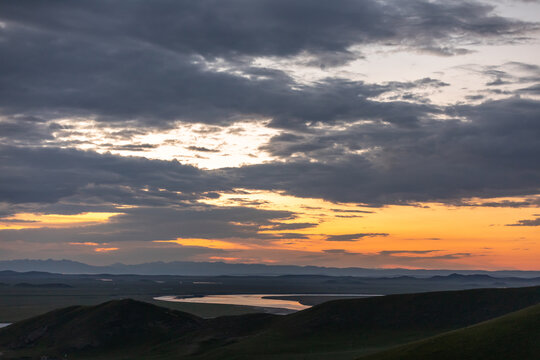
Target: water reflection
{"points": [[259, 300]]}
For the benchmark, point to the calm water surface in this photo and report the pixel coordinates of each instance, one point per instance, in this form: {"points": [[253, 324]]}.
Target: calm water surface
{"points": [[259, 300]]}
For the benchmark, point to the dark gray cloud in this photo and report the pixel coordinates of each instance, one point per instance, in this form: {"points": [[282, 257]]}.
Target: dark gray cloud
{"points": [[288, 236], [24, 130], [163, 197], [127, 252], [533, 90], [494, 152], [163, 223], [130, 147], [527, 222], [268, 27], [353, 237], [46, 175], [201, 149], [339, 252], [532, 202], [400, 252], [352, 211], [403, 256], [291, 226], [145, 62], [512, 72]]}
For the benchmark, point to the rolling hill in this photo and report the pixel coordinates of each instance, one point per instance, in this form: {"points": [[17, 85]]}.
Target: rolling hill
{"points": [[116, 326], [515, 336], [357, 326], [341, 329]]}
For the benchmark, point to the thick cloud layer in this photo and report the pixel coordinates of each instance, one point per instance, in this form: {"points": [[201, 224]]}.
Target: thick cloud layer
{"points": [[146, 61], [491, 152], [140, 68], [162, 224], [47, 175]]}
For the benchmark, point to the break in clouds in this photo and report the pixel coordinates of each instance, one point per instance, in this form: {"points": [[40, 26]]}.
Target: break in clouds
{"points": [[142, 67]]}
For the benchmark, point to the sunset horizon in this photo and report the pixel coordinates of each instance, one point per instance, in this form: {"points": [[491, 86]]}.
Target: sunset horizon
{"points": [[375, 134]]}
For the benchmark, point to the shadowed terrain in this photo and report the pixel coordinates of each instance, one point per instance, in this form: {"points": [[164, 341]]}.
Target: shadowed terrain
{"points": [[512, 336], [25, 295], [342, 329]]}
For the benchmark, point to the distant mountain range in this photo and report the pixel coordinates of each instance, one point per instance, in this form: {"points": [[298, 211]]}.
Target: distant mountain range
{"points": [[220, 268]]}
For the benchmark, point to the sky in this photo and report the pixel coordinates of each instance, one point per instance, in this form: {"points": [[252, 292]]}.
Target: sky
{"points": [[367, 133]]}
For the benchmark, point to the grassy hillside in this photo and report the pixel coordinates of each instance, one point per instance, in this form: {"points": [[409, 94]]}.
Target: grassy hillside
{"points": [[348, 328], [342, 329], [122, 329], [515, 336], [115, 326]]}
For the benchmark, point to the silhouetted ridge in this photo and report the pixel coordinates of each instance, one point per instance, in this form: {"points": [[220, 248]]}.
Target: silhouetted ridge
{"points": [[462, 277], [432, 310], [48, 285], [111, 325], [128, 329], [384, 321]]}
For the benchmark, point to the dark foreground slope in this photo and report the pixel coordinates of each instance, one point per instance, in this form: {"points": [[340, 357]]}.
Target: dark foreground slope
{"points": [[115, 326], [348, 328], [342, 329], [515, 336], [122, 329]]}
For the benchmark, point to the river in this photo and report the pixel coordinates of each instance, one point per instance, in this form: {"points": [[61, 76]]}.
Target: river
{"points": [[259, 300]]}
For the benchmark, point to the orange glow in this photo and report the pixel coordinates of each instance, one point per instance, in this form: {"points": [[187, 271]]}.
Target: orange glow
{"points": [[212, 244], [32, 221], [105, 250], [459, 236], [223, 258], [480, 231]]}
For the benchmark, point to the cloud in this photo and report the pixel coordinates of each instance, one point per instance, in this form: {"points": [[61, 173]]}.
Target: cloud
{"points": [[353, 237], [352, 211], [270, 27], [532, 202], [46, 175], [201, 149], [338, 142], [288, 236], [527, 222], [130, 147], [410, 254], [404, 257], [492, 152], [291, 226], [400, 252], [163, 223], [338, 252], [152, 64], [533, 90]]}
